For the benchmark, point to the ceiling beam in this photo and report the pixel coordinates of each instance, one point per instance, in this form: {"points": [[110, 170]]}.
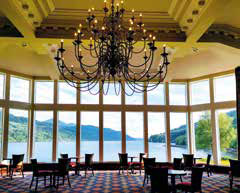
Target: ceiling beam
{"points": [[25, 17]]}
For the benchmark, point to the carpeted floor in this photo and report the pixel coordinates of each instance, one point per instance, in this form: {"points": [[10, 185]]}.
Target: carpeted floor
{"points": [[109, 181]]}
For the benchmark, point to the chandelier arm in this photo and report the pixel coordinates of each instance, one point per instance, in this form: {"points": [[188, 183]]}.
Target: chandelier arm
{"points": [[140, 51], [105, 92], [115, 87]]}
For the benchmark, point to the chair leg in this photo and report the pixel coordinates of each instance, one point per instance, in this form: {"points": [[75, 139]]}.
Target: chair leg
{"points": [[92, 172], [231, 183], [63, 180], [22, 173], [57, 182], [144, 180], [31, 182], [69, 181], [44, 180], [36, 186], [181, 178]]}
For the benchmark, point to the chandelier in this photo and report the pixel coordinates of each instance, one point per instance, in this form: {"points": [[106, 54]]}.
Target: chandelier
{"points": [[112, 44]]}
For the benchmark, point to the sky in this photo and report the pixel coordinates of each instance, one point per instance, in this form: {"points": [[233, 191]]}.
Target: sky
{"points": [[224, 90]]}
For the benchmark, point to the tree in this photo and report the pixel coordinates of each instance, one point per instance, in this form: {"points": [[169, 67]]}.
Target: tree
{"points": [[226, 130], [203, 132]]}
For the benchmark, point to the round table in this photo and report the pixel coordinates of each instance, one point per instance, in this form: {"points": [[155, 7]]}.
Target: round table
{"points": [[173, 174]]}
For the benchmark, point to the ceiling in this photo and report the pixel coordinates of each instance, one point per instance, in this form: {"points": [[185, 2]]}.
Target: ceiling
{"points": [[202, 36]]}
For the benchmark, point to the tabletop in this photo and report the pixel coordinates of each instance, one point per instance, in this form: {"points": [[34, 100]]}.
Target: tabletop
{"points": [[177, 172]]}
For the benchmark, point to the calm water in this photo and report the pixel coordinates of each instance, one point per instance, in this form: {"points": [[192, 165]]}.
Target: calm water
{"points": [[43, 150]]}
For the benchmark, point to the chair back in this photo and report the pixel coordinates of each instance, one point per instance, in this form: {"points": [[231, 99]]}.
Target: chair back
{"points": [[235, 167], [63, 165], [149, 163], [177, 163], [89, 159], [188, 160], [141, 156], [196, 179], [159, 180], [64, 155], [17, 160], [34, 166], [208, 159], [123, 159]]}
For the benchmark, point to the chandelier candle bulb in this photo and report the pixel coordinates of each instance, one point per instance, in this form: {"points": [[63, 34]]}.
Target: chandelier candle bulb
{"points": [[62, 43]]}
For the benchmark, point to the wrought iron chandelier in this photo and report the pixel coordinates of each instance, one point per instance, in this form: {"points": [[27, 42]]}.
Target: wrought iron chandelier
{"points": [[112, 46]]}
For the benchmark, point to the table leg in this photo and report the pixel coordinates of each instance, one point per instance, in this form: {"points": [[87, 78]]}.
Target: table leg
{"points": [[173, 182]]}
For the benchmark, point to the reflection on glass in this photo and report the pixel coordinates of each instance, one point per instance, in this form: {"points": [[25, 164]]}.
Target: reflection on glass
{"points": [[66, 93], [18, 132], [112, 135], [177, 94], [111, 97], [156, 96], [134, 133], [19, 89], [200, 92], [178, 134], [43, 135], [44, 92], [157, 136], [67, 133], [90, 133], [135, 99], [88, 98], [225, 88], [203, 134], [227, 129]]}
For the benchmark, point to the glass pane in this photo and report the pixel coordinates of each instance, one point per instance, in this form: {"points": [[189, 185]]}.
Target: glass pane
{"points": [[200, 92], [157, 136], [227, 129], [90, 134], [177, 94], [156, 96], [111, 97], [135, 99], [67, 133], [18, 132], [134, 133], [112, 135], [225, 88], [41, 88], [178, 133], [88, 98], [43, 135], [2, 85], [203, 134], [66, 93], [19, 89]]}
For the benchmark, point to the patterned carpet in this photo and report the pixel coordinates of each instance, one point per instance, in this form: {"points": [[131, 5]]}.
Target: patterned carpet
{"points": [[109, 181]]}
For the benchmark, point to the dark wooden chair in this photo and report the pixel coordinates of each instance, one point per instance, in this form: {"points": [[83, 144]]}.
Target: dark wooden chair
{"points": [[139, 165], [39, 173], [62, 171], [196, 181], [159, 180], [177, 165], [149, 163], [123, 162], [73, 165], [234, 171], [88, 163], [16, 164], [207, 167], [188, 161]]}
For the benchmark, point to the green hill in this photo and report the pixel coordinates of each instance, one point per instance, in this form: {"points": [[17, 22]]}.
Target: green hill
{"points": [[66, 132]]}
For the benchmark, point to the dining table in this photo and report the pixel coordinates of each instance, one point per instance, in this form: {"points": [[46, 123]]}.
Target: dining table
{"points": [[173, 174]]}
